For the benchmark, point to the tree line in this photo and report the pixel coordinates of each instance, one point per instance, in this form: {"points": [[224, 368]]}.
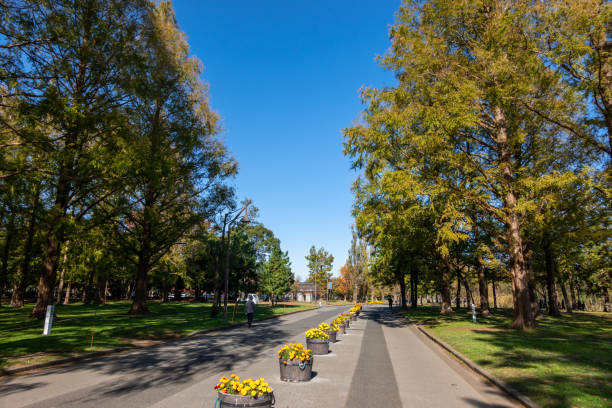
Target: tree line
{"points": [[490, 156], [113, 178]]}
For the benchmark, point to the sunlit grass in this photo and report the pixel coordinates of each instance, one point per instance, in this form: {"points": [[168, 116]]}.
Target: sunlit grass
{"points": [[565, 362], [111, 325]]}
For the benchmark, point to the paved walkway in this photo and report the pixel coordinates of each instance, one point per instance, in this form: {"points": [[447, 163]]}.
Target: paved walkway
{"points": [[381, 362]]}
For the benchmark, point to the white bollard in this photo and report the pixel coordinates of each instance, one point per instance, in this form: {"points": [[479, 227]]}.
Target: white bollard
{"points": [[48, 320], [474, 313]]}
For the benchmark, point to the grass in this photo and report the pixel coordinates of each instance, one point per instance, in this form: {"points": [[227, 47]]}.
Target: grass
{"points": [[22, 342], [565, 362]]}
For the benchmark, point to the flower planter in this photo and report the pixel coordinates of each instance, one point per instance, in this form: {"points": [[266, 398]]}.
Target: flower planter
{"points": [[229, 400], [342, 328], [353, 317], [318, 346], [347, 323], [295, 370], [332, 335]]}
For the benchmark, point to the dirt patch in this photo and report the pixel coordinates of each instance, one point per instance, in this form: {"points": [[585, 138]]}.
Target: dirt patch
{"points": [[487, 329], [144, 342]]}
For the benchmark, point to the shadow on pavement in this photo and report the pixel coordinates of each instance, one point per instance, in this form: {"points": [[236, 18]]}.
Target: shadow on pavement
{"points": [[384, 316], [174, 364]]}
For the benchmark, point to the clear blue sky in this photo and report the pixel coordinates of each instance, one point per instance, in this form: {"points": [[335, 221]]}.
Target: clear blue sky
{"points": [[284, 75]]}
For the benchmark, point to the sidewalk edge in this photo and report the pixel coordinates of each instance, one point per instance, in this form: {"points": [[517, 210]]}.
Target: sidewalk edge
{"points": [[526, 401], [116, 350]]}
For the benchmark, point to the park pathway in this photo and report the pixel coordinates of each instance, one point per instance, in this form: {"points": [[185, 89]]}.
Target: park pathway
{"points": [[382, 361]]}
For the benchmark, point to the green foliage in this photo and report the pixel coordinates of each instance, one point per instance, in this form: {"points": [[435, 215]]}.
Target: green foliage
{"points": [[276, 277], [479, 131], [320, 264]]}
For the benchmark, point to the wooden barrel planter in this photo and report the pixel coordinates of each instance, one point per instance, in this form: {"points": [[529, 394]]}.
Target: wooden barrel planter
{"points": [[229, 400], [319, 347], [332, 335], [295, 370], [342, 328], [353, 317], [347, 323]]}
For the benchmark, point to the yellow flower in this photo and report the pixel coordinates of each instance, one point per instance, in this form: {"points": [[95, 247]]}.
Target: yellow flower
{"points": [[253, 393], [243, 392]]}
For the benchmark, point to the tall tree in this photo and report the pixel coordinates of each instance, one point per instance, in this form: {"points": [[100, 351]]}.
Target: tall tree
{"points": [[458, 119], [65, 76], [276, 276], [320, 264], [358, 263], [177, 165]]}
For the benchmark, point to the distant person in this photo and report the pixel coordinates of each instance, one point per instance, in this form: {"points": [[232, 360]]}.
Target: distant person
{"points": [[390, 299], [249, 309]]}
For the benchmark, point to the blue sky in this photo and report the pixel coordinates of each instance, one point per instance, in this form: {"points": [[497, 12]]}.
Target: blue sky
{"points": [[284, 76]]}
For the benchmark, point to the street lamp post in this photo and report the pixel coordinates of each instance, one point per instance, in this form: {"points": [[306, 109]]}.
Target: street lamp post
{"points": [[245, 218]]}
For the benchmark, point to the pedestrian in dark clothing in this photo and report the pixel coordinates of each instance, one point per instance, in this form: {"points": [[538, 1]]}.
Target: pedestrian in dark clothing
{"points": [[390, 303], [249, 309]]}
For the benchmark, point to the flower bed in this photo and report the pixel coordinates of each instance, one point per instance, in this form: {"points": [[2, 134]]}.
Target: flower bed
{"points": [[248, 393], [295, 363], [318, 341], [330, 330]]}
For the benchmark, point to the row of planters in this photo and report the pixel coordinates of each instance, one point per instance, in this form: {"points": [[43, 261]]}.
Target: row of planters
{"points": [[295, 362]]}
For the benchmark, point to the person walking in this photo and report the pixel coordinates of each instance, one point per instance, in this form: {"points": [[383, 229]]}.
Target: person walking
{"points": [[390, 299], [249, 309]]}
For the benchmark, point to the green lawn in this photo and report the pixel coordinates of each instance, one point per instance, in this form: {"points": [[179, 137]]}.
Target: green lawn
{"points": [[22, 342], [565, 362]]}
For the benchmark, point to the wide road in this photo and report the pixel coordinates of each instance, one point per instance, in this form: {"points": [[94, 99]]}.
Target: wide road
{"points": [[381, 361]]}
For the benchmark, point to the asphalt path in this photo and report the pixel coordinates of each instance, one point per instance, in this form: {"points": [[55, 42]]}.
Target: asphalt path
{"points": [[382, 361], [145, 377]]}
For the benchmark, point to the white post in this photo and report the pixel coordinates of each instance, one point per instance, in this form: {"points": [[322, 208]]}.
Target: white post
{"points": [[474, 313], [48, 320]]}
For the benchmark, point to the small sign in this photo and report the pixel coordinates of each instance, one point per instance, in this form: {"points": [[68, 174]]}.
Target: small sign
{"points": [[329, 285], [48, 320]]}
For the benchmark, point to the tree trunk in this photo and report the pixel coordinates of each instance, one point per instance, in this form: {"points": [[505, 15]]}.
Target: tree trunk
{"points": [[178, 289], [88, 292], [446, 308], [402, 283], [568, 304], [62, 273], [458, 296], [606, 300], [523, 314], [483, 289], [139, 305], [494, 293], [24, 275], [572, 290], [165, 287], [100, 290], [414, 288], [128, 292], [468, 292], [67, 296], [533, 297], [8, 242], [355, 292], [553, 307], [55, 234]]}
